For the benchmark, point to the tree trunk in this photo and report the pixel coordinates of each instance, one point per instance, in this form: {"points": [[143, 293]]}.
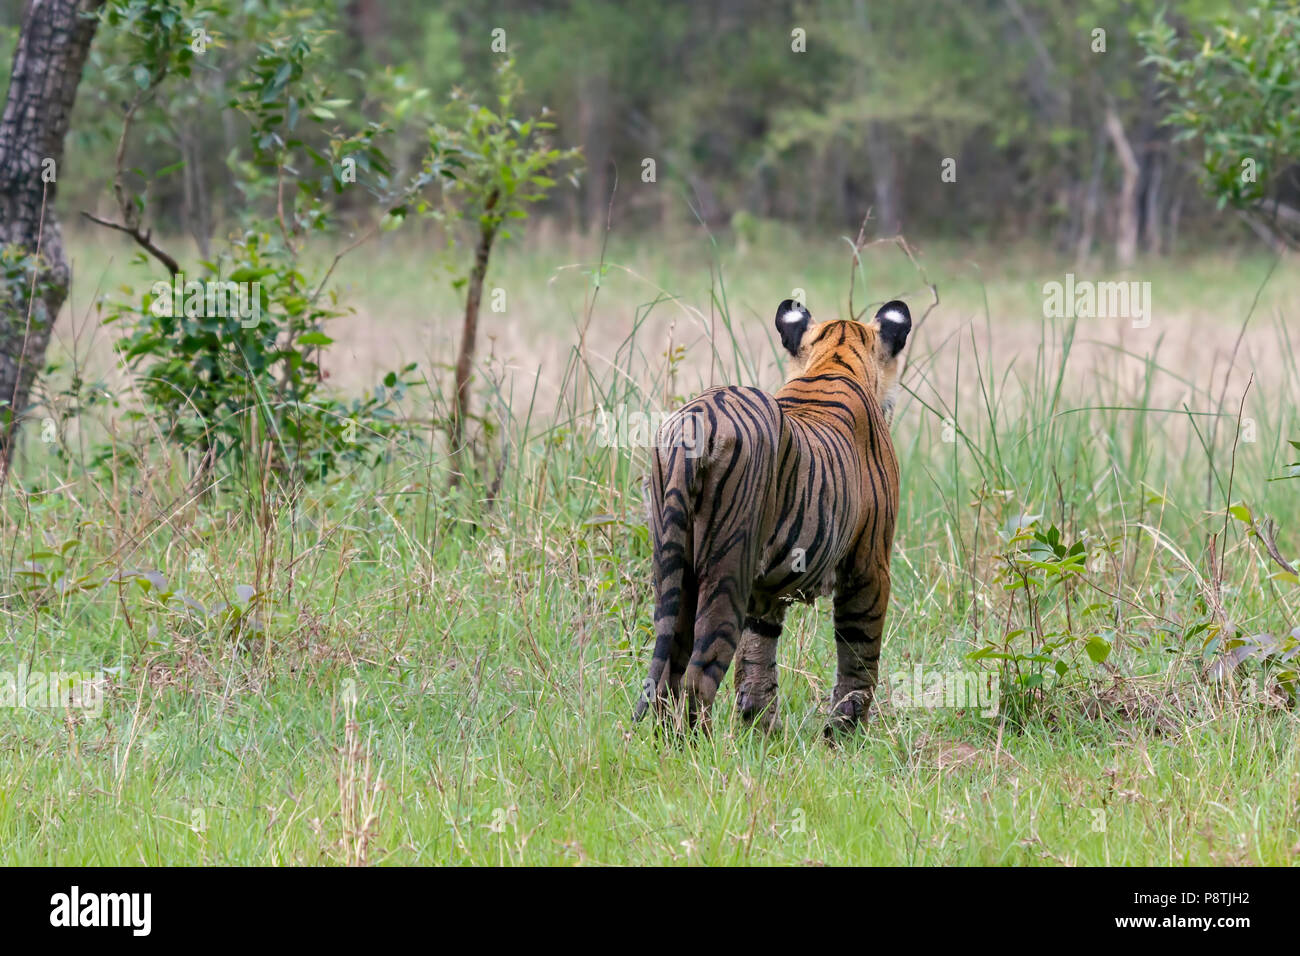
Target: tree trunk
{"points": [[1126, 226], [884, 178], [880, 152], [1091, 200], [51, 51], [1175, 214], [1151, 223], [594, 123], [468, 337]]}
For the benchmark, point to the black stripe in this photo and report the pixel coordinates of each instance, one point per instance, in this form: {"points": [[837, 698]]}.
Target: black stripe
{"points": [[763, 628]]}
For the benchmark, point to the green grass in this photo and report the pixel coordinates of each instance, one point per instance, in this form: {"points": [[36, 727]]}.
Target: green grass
{"points": [[423, 678]]}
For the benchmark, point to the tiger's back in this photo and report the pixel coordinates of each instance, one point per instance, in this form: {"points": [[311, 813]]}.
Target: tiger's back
{"points": [[756, 501]]}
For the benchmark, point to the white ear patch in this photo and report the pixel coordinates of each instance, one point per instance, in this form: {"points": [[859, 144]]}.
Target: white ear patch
{"points": [[893, 315], [793, 316]]}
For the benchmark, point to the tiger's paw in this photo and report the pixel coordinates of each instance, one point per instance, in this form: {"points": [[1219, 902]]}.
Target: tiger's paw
{"points": [[846, 716], [758, 710]]}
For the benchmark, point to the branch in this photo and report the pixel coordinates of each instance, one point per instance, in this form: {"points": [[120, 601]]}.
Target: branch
{"points": [[856, 262], [130, 213], [1266, 532], [1277, 241], [1278, 221], [143, 238], [902, 244], [1280, 211]]}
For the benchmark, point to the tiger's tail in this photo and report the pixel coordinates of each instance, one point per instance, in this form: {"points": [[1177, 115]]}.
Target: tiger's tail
{"points": [[673, 487]]}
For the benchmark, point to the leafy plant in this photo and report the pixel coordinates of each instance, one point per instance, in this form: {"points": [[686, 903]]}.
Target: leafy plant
{"points": [[1038, 564], [496, 165], [245, 382], [1238, 95], [221, 380]]}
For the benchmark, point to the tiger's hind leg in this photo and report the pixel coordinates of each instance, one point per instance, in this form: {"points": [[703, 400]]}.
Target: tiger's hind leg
{"points": [[717, 632], [859, 625], [674, 628], [671, 490], [730, 486], [727, 542], [756, 695]]}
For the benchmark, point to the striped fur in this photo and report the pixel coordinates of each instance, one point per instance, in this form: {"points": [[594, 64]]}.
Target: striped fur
{"points": [[757, 501]]}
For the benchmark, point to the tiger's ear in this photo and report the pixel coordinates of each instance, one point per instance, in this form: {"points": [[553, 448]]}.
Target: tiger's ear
{"points": [[894, 322], [792, 321]]}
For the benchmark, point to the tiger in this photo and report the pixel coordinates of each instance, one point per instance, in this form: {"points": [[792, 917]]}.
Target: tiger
{"points": [[757, 501]]}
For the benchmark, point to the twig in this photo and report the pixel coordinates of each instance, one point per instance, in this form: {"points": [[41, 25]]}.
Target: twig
{"points": [[1266, 531], [143, 238], [857, 259], [1232, 468], [130, 212]]}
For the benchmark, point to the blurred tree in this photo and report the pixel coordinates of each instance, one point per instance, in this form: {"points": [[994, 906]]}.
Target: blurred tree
{"points": [[496, 163], [1043, 110], [1237, 95], [228, 355], [52, 48]]}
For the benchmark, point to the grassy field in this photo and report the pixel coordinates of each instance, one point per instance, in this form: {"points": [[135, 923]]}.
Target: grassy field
{"points": [[380, 670]]}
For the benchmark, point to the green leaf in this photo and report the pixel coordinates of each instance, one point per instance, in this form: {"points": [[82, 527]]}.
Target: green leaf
{"points": [[1098, 648], [249, 274]]}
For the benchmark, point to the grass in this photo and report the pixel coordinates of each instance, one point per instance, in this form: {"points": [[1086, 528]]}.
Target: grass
{"points": [[379, 671]]}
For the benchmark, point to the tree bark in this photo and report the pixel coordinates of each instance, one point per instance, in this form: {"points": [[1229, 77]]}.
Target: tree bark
{"points": [[1126, 226], [594, 124], [1151, 218], [884, 178], [1091, 200], [468, 337], [880, 153], [51, 51]]}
